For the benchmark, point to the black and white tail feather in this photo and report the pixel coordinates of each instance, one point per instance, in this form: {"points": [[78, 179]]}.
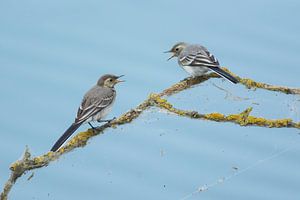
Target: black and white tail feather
{"points": [[65, 136], [224, 74]]}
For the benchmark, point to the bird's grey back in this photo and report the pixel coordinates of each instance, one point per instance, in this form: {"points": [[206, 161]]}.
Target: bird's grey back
{"points": [[193, 49], [95, 94]]}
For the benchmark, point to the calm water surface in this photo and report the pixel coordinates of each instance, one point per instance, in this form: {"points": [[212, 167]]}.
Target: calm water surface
{"points": [[51, 52]]}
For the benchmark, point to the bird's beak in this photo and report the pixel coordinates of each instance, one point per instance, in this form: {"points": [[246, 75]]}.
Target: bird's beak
{"points": [[171, 57], [119, 81], [170, 51]]}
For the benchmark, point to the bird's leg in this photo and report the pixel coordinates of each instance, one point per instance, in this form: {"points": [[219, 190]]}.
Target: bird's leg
{"points": [[91, 126], [187, 79], [106, 120]]}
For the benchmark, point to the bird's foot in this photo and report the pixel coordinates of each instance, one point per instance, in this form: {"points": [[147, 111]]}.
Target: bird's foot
{"points": [[188, 79], [107, 120], [92, 126]]}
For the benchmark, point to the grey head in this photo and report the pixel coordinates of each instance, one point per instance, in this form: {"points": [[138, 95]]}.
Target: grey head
{"points": [[109, 80], [177, 49]]}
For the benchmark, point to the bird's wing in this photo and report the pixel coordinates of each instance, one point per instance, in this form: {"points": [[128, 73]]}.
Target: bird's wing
{"points": [[202, 57], [92, 105]]}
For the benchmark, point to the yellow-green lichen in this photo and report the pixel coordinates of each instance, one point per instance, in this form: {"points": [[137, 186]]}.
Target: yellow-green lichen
{"points": [[163, 103], [15, 166], [269, 123], [250, 83], [215, 116], [80, 139], [39, 159], [180, 112]]}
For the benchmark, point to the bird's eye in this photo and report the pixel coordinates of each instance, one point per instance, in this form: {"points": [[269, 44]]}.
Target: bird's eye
{"points": [[110, 80], [177, 49]]}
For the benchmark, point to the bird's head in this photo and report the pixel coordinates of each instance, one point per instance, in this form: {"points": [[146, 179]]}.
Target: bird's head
{"points": [[109, 80], [177, 49]]}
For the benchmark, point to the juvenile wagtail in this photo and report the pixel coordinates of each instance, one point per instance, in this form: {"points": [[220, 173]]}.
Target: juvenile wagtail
{"points": [[197, 60], [96, 104]]}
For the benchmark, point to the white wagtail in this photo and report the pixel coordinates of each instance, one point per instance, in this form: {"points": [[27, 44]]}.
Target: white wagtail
{"points": [[96, 104], [197, 60]]}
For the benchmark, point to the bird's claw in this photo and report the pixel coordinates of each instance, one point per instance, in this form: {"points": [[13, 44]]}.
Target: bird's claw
{"points": [[110, 120], [187, 79]]}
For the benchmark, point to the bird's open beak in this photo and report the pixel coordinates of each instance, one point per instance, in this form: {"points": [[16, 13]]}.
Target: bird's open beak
{"points": [[119, 81], [171, 57], [170, 51]]}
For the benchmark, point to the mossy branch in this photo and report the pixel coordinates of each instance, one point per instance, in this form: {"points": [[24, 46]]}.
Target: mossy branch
{"points": [[248, 83], [251, 84], [28, 163], [243, 119]]}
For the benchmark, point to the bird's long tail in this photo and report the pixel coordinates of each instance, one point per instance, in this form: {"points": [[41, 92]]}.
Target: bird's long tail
{"points": [[224, 74], [65, 136]]}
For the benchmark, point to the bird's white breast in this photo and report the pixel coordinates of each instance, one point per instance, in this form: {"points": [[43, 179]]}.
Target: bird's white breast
{"points": [[102, 114], [105, 111], [195, 71]]}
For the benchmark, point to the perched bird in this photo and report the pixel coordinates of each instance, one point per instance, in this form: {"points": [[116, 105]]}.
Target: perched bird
{"points": [[96, 104], [197, 60]]}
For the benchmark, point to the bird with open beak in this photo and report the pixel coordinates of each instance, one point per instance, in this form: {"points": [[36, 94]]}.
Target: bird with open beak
{"points": [[197, 60], [96, 104]]}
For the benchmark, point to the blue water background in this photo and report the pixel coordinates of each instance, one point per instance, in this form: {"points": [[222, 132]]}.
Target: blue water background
{"points": [[51, 52]]}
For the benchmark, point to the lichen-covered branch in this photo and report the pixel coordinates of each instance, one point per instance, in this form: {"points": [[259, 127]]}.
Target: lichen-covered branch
{"points": [[248, 83], [244, 118], [28, 163], [251, 84]]}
